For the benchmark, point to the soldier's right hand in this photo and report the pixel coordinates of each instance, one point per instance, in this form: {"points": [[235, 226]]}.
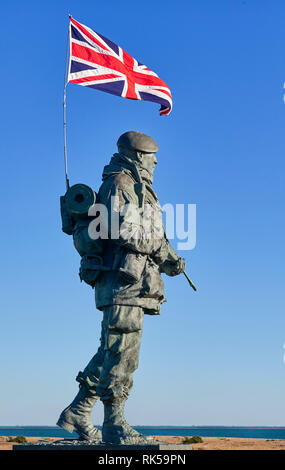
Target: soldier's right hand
{"points": [[173, 268]]}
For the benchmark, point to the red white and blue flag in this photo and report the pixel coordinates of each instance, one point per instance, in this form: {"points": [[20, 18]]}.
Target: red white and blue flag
{"points": [[98, 63]]}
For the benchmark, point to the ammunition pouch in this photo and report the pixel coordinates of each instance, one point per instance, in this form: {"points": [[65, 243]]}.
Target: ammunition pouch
{"points": [[152, 286], [132, 267], [91, 267]]}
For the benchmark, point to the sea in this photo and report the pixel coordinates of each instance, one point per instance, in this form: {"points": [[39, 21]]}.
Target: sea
{"points": [[206, 431]]}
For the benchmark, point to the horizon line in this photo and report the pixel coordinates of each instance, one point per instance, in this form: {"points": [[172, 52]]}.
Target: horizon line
{"points": [[153, 426]]}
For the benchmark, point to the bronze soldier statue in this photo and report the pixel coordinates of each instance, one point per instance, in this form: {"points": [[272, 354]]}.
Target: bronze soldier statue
{"points": [[127, 279]]}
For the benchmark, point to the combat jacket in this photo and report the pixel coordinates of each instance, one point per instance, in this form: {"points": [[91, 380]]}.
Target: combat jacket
{"points": [[117, 191]]}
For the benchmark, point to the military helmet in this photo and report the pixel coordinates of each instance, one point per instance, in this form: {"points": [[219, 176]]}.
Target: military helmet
{"points": [[137, 141]]}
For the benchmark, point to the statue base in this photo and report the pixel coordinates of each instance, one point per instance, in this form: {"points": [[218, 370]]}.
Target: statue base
{"points": [[74, 444]]}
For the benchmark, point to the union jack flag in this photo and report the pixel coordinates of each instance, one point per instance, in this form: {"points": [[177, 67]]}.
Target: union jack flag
{"points": [[98, 63]]}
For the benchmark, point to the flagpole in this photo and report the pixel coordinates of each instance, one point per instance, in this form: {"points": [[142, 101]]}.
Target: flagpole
{"points": [[64, 109]]}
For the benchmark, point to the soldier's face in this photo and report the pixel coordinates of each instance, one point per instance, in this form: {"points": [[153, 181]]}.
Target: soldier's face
{"points": [[148, 162]]}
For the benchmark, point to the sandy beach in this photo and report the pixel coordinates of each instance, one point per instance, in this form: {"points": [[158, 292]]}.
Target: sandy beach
{"points": [[209, 443]]}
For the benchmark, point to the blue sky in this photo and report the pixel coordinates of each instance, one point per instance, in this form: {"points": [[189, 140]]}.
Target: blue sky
{"points": [[213, 357]]}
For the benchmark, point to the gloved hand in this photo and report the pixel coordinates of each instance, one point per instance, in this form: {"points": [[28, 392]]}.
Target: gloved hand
{"points": [[173, 268]]}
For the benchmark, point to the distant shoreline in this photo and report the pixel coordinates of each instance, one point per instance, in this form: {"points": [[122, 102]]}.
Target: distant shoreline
{"points": [[208, 443], [151, 426], [243, 432]]}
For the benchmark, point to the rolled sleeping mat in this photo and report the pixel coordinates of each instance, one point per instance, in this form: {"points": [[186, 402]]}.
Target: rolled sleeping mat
{"points": [[78, 199]]}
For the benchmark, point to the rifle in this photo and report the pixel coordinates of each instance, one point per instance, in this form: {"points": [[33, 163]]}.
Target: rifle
{"points": [[173, 256]]}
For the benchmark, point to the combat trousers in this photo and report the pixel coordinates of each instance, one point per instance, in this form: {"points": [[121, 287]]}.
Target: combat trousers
{"points": [[109, 373]]}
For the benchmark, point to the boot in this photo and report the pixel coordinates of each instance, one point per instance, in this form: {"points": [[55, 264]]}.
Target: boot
{"points": [[116, 430], [77, 416]]}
